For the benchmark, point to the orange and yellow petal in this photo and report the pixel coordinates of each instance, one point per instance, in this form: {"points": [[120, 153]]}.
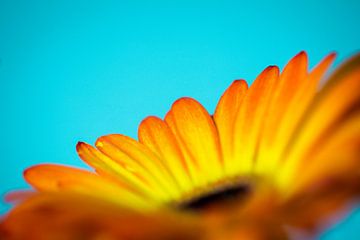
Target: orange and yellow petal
{"points": [[57, 178], [73, 216], [330, 109], [158, 137], [224, 118], [249, 121], [198, 139], [122, 148]]}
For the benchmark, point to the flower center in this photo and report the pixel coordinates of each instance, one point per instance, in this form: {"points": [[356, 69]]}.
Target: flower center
{"points": [[222, 196]]}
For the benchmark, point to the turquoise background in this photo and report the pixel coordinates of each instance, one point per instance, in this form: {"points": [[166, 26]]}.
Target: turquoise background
{"points": [[76, 70]]}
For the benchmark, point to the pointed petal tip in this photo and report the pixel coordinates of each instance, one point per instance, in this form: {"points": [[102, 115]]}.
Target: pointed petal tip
{"points": [[30, 171], [331, 56], [301, 55], [239, 82], [333, 53], [79, 146], [272, 68], [26, 171]]}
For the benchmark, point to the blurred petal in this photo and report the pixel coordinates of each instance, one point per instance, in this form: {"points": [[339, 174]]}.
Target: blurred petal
{"points": [[74, 216], [54, 178], [329, 110]]}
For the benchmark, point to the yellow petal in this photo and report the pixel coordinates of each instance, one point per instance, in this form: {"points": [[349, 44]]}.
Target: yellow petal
{"points": [[129, 151], [224, 118], [198, 139], [57, 178], [121, 171], [249, 121], [290, 115], [291, 80], [157, 136]]}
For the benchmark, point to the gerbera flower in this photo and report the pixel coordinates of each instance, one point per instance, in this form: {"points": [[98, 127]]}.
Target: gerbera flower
{"points": [[280, 155]]}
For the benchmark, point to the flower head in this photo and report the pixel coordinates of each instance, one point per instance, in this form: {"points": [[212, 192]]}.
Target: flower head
{"points": [[282, 154]]}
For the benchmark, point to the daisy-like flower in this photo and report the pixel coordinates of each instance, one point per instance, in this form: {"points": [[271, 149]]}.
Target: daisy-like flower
{"points": [[278, 158]]}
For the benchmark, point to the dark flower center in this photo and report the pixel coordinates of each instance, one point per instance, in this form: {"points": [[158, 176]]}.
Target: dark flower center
{"points": [[221, 196]]}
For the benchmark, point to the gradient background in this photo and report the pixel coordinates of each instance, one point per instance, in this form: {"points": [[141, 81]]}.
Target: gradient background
{"points": [[76, 70]]}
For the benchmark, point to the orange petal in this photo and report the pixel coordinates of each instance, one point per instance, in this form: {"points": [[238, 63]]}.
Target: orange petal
{"points": [[74, 216], [118, 171], [57, 178], [291, 80], [197, 137], [249, 121], [330, 108], [337, 156], [224, 118], [319, 71], [303, 97], [157, 136], [129, 151]]}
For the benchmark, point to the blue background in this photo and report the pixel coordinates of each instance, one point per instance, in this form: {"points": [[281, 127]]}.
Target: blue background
{"points": [[76, 70]]}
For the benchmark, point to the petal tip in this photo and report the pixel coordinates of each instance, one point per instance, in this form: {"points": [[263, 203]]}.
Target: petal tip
{"points": [[79, 146], [181, 102], [302, 53], [272, 68], [99, 142], [239, 82], [149, 119], [29, 172]]}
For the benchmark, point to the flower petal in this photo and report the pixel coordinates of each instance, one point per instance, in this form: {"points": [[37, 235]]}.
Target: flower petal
{"points": [[249, 121], [125, 149], [157, 136], [74, 216], [57, 178], [121, 171], [330, 108], [336, 157], [224, 118], [291, 115], [197, 137], [291, 80]]}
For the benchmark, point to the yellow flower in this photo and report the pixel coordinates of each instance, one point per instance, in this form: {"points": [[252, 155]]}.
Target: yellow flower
{"points": [[280, 155]]}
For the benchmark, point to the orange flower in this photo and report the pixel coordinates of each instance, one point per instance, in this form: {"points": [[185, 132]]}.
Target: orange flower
{"points": [[280, 155]]}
